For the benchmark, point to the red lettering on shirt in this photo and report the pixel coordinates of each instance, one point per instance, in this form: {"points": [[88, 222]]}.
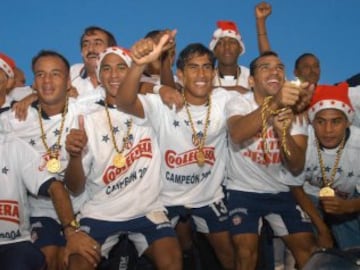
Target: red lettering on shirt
{"points": [[142, 149], [9, 211], [175, 160]]}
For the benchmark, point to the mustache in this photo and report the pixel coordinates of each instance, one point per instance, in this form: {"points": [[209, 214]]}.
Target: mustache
{"points": [[90, 54]]}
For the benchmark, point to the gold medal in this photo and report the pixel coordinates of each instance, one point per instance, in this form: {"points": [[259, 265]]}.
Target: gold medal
{"points": [[53, 165], [326, 192], [119, 160], [200, 157]]}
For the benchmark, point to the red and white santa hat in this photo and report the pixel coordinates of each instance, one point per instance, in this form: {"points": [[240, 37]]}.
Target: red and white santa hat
{"points": [[226, 29], [122, 52], [7, 65], [331, 97]]}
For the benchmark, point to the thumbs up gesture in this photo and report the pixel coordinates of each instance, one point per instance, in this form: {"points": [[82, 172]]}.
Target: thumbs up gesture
{"points": [[76, 140]]}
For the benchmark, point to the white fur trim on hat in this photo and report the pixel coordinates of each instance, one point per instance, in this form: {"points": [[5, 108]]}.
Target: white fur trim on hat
{"points": [[7, 65], [331, 97], [123, 53], [226, 29]]}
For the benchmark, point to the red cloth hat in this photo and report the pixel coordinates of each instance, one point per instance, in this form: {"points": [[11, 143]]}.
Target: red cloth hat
{"points": [[226, 29], [331, 97], [122, 52], [7, 65]]}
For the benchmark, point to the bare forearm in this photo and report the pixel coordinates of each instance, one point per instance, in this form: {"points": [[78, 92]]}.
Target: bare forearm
{"points": [[263, 41], [354, 206], [294, 160], [166, 75], [74, 175], [126, 98], [242, 128], [62, 202]]}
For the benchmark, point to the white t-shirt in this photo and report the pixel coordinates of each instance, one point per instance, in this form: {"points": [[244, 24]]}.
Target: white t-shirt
{"points": [[19, 174], [120, 194], [18, 93], [83, 83], [347, 177], [185, 182], [247, 170], [30, 132], [233, 81]]}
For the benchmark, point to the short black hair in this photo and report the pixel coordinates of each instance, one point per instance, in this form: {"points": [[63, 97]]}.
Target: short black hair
{"points": [[91, 31], [194, 49], [253, 64], [301, 57], [46, 53]]}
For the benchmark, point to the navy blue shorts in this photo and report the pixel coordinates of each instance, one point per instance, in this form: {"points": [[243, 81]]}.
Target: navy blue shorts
{"points": [[142, 231], [208, 219], [21, 256], [248, 209], [46, 231]]}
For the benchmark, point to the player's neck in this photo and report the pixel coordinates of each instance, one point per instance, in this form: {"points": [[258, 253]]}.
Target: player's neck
{"points": [[196, 100], [53, 109], [229, 70]]}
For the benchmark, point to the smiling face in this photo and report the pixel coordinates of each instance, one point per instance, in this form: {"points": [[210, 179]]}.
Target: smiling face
{"points": [[268, 76], [112, 72], [51, 81], [330, 126], [197, 77], [92, 45]]}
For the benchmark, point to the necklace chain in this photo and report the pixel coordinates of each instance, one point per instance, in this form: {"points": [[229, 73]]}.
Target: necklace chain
{"points": [[266, 112], [125, 140], [207, 123], [238, 71], [328, 182], [53, 153]]}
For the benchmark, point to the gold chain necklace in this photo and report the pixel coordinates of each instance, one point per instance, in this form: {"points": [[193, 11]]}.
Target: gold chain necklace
{"points": [[119, 160], [53, 165], [200, 156], [238, 71], [265, 113], [326, 190]]}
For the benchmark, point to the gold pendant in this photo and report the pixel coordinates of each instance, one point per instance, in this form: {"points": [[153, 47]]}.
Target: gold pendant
{"points": [[326, 192], [53, 165], [119, 160], [200, 157]]}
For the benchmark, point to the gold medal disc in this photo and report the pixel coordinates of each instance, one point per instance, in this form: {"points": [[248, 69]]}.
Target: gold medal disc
{"points": [[326, 192], [200, 157], [53, 165], [119, 160]]}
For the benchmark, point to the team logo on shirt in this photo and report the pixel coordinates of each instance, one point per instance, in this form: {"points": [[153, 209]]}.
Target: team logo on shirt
{"points": [[176, 160], [9, 211], [257, 152], [142, 149]]}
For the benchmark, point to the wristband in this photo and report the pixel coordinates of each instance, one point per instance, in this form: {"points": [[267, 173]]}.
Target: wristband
{"points": [[156, 88]]}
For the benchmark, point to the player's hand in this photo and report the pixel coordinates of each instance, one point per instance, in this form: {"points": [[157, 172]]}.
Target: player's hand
{"points": [[262, 10], [171, 97], [76, 140], [335, 205], [147, 50], [73, 92], [78, 242], [283, 120], [21, 107]]}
